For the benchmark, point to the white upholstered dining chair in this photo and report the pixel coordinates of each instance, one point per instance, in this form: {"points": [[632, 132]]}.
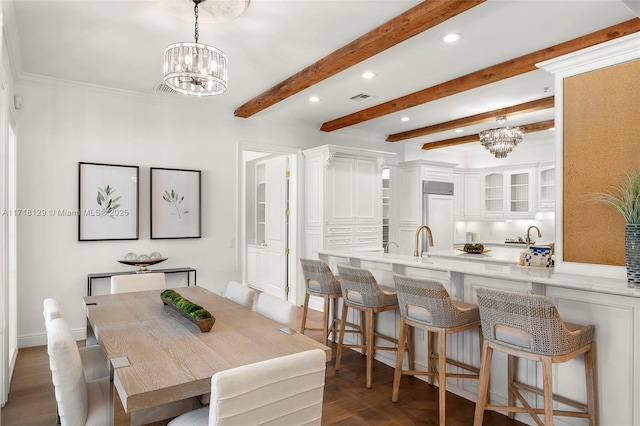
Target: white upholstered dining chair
{"points": [[282, 391], [137, 282], [276, 309], [94, 363], [239, 294], [79, 402]]}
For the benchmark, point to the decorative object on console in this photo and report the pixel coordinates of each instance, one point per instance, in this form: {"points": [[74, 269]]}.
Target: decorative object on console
{"points": [[501, 141], [175, 203], [626, 199], [108, 202], [195, 68], [194, 313], [142, 261]]}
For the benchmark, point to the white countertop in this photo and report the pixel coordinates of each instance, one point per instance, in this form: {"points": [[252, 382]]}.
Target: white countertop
{"points": [[495, 269]]}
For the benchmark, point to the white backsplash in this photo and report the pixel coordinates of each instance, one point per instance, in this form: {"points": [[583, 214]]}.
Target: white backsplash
{"points": [[499, 231]]}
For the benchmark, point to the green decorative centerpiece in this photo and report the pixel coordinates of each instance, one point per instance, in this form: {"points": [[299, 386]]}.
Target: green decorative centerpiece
{"points": [[194, 313], [626, 199], [476, 248]]}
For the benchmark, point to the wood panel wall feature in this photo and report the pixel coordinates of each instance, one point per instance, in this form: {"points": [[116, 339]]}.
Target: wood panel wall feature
{"points": [[601, 146]]}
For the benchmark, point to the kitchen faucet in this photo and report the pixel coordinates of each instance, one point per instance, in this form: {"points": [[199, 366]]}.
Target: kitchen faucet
{"points": [[528, 240], [386, 246], [418, 252]]}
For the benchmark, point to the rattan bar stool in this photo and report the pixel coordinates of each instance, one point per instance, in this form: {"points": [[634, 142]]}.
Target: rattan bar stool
{"points": [[426, 305], [320, 282], [529, 326], [360, 291]]}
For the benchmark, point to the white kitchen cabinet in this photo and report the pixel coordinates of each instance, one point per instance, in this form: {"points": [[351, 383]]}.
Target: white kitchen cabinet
{"points": [[260, 203], [410, 198], [386, 204], [354, 190], [472, 208], [520, 194], [458, 196], [546, 188], [343, 198], [409, 195], [493, 191]]}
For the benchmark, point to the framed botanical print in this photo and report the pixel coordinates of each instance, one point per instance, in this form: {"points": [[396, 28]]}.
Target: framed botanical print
{"points": [[175, 203], [108, 202]]}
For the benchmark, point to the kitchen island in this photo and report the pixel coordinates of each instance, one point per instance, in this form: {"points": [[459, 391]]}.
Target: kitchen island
{"points": [[608, 303]]}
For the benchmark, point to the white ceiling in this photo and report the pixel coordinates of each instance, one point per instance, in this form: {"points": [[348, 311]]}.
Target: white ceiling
{"points": [[120, 43]]}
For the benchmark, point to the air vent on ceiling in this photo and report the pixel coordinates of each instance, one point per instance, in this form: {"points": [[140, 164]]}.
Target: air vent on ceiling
{"points": [[164, 88], [361, 97]]}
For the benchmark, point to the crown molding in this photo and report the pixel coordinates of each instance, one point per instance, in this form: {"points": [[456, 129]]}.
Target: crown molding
{"points": [[611, 52]]}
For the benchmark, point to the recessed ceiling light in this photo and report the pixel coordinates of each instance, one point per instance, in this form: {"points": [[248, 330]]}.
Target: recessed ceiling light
{"points": [[368, 74], [451, 37], [314, 99], [458, 130], [404, 119]]}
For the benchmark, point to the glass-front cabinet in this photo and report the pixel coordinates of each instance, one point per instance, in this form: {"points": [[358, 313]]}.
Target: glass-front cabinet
{"points": [[547, 188], [520, 193], [493, 207], [386, 196]]}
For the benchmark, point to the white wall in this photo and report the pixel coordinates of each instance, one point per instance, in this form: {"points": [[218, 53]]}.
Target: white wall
{"points": [[62, 124]]}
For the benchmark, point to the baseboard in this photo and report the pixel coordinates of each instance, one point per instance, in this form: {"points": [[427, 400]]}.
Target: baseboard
{"points": [[40, 339]]}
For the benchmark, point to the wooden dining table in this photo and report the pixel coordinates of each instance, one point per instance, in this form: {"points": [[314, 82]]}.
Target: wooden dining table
{"points": [[160, 357]]}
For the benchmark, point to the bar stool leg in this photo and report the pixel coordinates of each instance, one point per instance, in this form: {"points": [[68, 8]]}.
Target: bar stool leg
{"points": [[442, 375], [483, 383], [397, 375], [325, 325], [431, 367], [370, 345], [363, 327], [305, 311], [334, 317], [547, 387], [511, 375], [343, 321], [590, 371], [411, 348]]}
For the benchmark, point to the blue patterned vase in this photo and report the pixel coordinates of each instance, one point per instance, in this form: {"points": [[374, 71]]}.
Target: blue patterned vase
{"points": [[632, 254]]}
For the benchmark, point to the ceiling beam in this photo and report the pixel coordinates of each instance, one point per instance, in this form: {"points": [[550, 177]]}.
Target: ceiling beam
{"points": [[528, 128], [492, 74], [484, 117], [420, 18]]}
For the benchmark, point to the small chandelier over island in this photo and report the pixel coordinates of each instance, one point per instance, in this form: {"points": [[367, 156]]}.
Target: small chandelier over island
{"points": [[501, 141]]}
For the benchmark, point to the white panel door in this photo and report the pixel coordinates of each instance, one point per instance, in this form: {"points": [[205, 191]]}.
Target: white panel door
{"points": [[275, 226]]}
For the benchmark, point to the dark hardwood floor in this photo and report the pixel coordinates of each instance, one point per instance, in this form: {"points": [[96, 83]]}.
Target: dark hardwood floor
{"points": [[346, 400]]}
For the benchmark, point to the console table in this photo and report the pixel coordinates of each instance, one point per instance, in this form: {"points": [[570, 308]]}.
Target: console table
{"points": [[188, 271]]}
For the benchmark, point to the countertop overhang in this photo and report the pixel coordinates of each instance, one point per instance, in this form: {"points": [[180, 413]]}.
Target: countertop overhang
{"points": [[492, 269]]}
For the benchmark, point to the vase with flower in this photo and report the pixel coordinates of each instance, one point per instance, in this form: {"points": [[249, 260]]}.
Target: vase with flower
{"points": [[626, 199]]}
